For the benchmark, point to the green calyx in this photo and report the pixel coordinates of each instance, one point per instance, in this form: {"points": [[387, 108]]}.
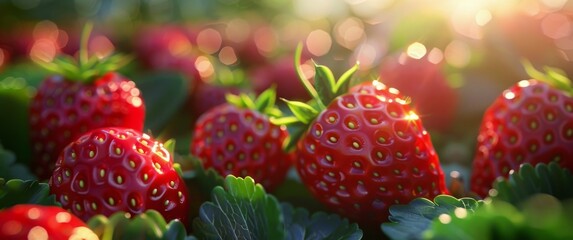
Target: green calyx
{"points": [[324, 90], [552, 76], [147, 225], [264, 103], [87, 68]]}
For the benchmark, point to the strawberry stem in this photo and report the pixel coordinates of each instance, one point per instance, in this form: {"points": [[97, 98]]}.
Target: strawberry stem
{"points": [[84, 58], [307, 85], [552, 76]]}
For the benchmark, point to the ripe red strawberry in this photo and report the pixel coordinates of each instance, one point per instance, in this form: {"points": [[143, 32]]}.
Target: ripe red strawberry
{"points": [[380, 89], [29, 221], [425, 83], [530, 122], [76, 100], [362, 152], [117, 169], [240, 140]]}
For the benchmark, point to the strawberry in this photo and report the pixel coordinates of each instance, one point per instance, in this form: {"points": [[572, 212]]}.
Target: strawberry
{"points": [[239, 139], [80, 97], [30, 221], [425, 83], [118, 169], [362, 152], [530, 122]]}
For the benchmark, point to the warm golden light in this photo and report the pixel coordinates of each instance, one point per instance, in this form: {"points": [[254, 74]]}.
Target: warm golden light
{"points": [[204, 66], [457, 53], [349, 32], [416, 50], [318, 42], [101, 46], [227, 56], [209, 40]]}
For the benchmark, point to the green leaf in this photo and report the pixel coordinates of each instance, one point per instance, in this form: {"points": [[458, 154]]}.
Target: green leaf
{"points": [[553, 76], [528, 181], [10, 169], [543, 217], [343, 83], [169, 145], [265, 102], [410, 221], [307, 85], [200, 182], [304, 112], [235, 100], [148, 225], [299, 225], [163, 94], [28, 71], [324, 83], [241, 210], [247, 101], [15, 97], [17, 191], [295, 130]]}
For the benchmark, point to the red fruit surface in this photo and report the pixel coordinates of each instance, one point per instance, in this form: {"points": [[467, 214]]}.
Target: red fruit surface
{"points": [[363, 154], [380, 89], [118, 169], [242, 142], [531, 122], [424, 82], [29, 221], [62, 110]]}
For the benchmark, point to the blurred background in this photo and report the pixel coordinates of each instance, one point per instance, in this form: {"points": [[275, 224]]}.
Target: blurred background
{"points": [[452, 57]]}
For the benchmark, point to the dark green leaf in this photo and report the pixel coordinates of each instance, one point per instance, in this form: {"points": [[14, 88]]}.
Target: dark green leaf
{"points": [[324, 83], [17, 191], [410, 221], [542, 217], [296, 131], [163, 94], [241, 210], [299, 225], [343, 82], [199, 182], [148, 225], [304, 112], [528, 181], [15, 98], [265, 102], [10, 169], [29, 71]]}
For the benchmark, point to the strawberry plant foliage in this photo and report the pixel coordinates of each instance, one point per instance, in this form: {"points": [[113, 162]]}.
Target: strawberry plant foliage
{"points": [[10, 168], [243, 210], [541, 217], [411, 220], [163, 93], [299, 224], [17, 191], [543, 178], [148, 225]]}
